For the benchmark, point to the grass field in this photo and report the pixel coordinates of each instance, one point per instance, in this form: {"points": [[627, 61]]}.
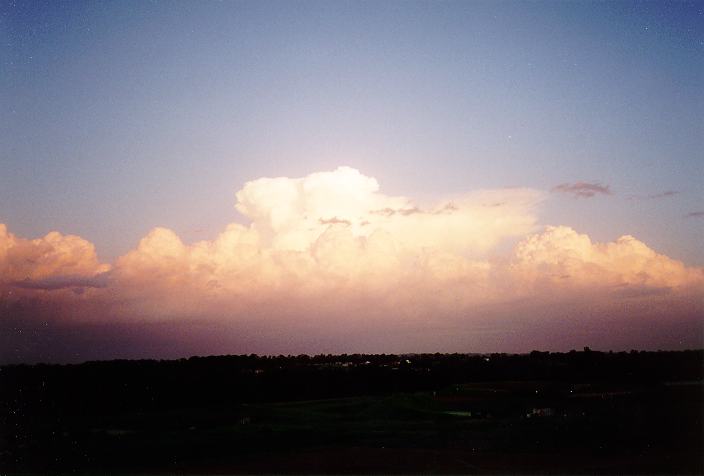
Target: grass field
{"points": [[495, 427]]}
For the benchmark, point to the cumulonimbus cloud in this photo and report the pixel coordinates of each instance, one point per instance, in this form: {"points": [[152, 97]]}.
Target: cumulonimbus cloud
{"points": [[331, 260], [583, 189]]}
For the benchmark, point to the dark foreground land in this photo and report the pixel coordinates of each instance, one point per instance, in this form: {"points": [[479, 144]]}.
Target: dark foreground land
{"points": [[578, 412]]}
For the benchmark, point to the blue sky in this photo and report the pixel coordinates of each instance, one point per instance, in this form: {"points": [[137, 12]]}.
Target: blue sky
{"points": [[118, 117]]}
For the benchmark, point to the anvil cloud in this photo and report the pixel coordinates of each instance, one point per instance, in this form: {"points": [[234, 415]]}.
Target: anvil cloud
{"points": [[328, 263]]}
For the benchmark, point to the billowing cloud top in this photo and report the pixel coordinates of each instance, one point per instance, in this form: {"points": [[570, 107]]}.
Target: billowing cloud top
{"points": [[331, 260], [293, 213], [560, 254], [51, 256]]}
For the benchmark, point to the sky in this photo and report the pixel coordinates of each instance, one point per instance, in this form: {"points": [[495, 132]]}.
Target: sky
{"points": [[303, 177]]}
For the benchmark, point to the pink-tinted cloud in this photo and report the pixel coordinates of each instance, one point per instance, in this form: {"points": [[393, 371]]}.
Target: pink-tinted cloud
{"points": [[52, 256], [561, 257], [319, 268]]}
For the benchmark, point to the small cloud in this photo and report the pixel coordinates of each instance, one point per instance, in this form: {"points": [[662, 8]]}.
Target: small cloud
{"points": [[449, 207], [334, 221], [388, 212], [409, 211], [53, 283], [668, 193], [654, 196], [699, 214], [583, 189]]}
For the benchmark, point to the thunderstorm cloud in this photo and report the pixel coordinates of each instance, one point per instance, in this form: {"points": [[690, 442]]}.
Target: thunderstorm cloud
{"points": [[327, 262]]}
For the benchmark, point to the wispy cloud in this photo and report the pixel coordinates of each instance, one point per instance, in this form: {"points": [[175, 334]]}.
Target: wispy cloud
{"points": [[668, 193], [699, 214], [388, 212], [654, 196], [583, 189], [448, 208], [334, 221]]}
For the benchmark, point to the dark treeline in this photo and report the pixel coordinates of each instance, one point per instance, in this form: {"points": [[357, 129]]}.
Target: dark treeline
{"points": [[222, 380], [434, 412]]}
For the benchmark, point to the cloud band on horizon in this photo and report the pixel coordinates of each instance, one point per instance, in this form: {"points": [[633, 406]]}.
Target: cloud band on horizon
{"points": [[330, 259]]}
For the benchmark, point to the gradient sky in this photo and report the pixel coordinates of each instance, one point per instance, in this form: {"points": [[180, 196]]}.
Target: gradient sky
{"points": [[118, 117], [112, 110]]}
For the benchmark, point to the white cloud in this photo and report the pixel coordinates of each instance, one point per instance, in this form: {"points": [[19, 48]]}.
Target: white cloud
{"points": [[328, 255]]}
